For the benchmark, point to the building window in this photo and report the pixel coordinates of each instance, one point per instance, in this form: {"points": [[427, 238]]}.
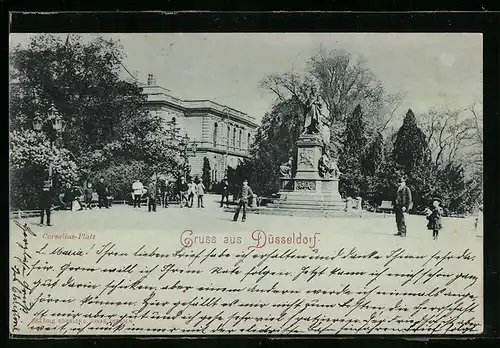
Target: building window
{"points": [[239, 139], [228, 134], [248, 140], [215, 133], [234, 137]]}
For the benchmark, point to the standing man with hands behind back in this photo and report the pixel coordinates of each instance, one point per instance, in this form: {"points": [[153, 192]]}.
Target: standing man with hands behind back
{"points": [[402, 205], [244, 193]]}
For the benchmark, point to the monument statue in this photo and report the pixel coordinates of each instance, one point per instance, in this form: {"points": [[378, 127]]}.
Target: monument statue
{"points": [[327, 168], [313, 113], [286, 169]]}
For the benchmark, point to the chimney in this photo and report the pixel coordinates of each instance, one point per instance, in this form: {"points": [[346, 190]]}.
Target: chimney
{"points": [[151, 80]]}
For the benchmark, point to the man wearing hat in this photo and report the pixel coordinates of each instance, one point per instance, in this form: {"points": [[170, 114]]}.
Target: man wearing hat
{"points": [[244, 194], [401, 206], [46, 200], [225, 192], [152, 191]]}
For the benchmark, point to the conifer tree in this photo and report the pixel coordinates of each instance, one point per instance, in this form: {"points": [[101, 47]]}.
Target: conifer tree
{"points": [[352, 181], [412, 154], [205, 176]]}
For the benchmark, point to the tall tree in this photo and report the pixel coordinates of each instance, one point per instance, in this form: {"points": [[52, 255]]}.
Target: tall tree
{"points": [[353, 181], [459, 194], [206, 175], [274, 143], [451, 134], [81, 79], [411, 148], [345, 81], [411, 152], [106, 128], [373, 169]]}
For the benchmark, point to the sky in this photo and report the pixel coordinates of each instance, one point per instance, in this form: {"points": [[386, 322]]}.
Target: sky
{"points": [[433, 69]]}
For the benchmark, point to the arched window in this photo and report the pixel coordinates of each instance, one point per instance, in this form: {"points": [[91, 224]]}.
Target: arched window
{"points": [[239, 139], [234, 137], [215, 133]]}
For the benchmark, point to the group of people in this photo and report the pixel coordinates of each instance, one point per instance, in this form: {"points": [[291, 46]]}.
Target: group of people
{"points": [[73, 198], [403, 204], [187, 191], [159, 189]]}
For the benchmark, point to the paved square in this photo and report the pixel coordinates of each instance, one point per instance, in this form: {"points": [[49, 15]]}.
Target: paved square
{"points": [[370, 230]]}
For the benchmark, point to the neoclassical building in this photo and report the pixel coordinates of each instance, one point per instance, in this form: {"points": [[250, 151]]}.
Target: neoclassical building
{"points": [[220, 133]]}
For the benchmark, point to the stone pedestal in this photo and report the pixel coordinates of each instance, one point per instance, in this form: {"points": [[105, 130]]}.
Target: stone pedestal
{"points": [[309, 148], [307, 190]]}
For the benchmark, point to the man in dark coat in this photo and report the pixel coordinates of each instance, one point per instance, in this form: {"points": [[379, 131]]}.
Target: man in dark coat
{"points": [[225, 192], [152, 193], [244, 194], [183, 191], [46, 200], [163, 190], [101, 193], [402, 205]]}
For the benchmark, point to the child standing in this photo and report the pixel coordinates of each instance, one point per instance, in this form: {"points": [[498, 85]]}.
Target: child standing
{"points": [[434, 217]]}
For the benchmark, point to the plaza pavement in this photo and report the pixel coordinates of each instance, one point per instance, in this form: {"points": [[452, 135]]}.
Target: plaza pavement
{"points": [[212, 220]]}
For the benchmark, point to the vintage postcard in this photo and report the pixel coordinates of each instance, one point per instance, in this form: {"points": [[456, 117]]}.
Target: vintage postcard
{"points": [[235, 184]]}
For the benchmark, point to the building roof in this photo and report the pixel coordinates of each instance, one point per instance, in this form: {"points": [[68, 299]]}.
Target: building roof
{"points": [[161, 95]]}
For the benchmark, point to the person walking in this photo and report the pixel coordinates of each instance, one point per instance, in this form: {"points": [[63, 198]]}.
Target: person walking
{"points": [[152, 195], [183, 192], [137, 192], [434, 217], [225, 192], [200, 191], [101, 193], [244, 194], [45, 202], [402, 205], [191, 193]]}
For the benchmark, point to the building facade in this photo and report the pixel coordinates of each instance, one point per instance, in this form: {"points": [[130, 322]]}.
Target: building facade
{"points": [[217, 132]]}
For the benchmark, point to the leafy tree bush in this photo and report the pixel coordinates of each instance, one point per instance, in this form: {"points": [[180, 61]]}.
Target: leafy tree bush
{"points": [[206, 174], [106, 124], [352, 181], [30, 156], [120, 176]]}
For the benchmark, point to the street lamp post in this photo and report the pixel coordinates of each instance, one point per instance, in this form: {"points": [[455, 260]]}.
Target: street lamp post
{"points": [[183, 147], [56, 127]]}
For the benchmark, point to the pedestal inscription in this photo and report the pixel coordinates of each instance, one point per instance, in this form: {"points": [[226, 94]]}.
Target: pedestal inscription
{"points": [[305, 185]]}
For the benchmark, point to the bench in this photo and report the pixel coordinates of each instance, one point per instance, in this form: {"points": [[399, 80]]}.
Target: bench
{"points": [[386, 207], [22, 214]]}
